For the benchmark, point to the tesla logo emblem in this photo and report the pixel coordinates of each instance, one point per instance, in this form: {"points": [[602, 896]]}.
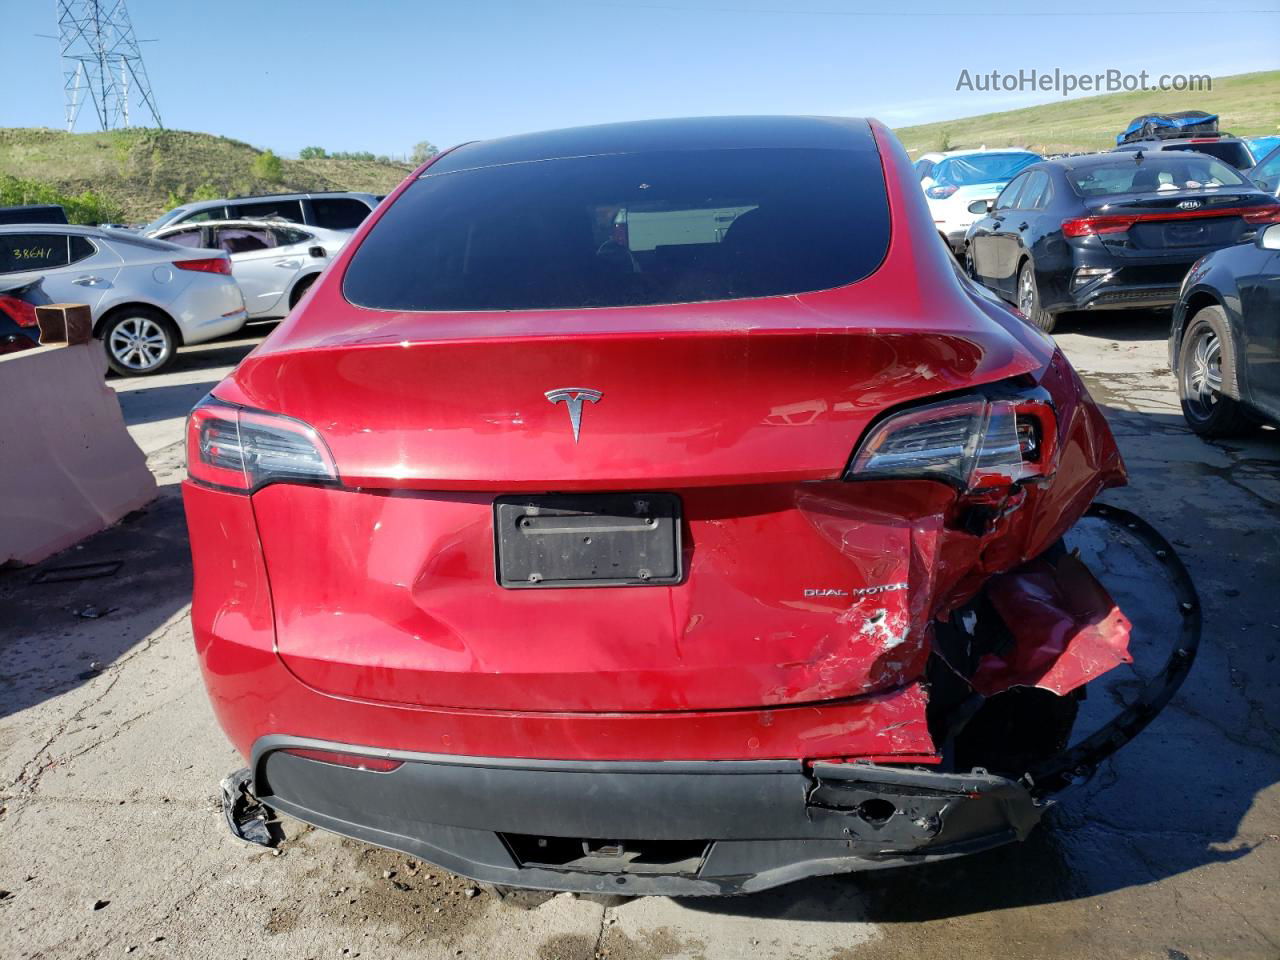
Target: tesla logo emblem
{"points": [[1189, 205], [572, 398]]}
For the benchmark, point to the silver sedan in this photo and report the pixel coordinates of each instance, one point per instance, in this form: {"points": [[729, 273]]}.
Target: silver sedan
{"points": [[148, 297], [274, 261]]}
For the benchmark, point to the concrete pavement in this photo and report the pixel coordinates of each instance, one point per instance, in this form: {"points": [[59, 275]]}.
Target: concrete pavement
{"points": [[111, 843]]}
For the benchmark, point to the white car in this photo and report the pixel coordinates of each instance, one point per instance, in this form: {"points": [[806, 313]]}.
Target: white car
{"points": [[148, 297], [274, 261], [955, 180]]}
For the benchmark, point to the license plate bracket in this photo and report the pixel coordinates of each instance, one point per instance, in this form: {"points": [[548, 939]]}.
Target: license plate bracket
{"points": [[587, 540]]}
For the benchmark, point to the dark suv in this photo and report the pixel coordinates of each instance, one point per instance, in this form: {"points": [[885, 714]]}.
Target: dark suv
{"points": [[333, 211], [1225, 147]]}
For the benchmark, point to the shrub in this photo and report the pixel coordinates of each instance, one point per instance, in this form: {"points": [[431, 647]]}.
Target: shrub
{"points": [[312, 153], [267, 166], [87, 207]]}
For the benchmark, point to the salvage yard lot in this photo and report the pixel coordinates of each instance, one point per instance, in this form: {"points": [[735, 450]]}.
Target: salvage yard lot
{"points": [[111, 841]]}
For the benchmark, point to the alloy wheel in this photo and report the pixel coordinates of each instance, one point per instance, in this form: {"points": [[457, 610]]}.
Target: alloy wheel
{"points": [[1026, 291], [1202, 377], [139, 343]]}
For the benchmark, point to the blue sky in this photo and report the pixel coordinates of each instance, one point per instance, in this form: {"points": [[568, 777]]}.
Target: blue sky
{"points": [[382, 75]]}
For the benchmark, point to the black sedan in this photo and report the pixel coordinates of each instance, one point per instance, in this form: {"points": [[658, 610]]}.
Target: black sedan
{"points": [[1110, 230], [1224, 347]]}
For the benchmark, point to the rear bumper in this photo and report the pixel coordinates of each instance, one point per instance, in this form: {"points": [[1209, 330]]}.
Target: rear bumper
{"points": [[678, 827], [1125, 297], [665, 828]]}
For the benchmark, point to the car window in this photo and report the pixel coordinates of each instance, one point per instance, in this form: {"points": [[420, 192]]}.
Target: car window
{"points": [[626, 228], [981, 168], [186, 238], [1158, 171], [200, 216], [1035, 194], [923, 168], [1269, 168], [284, 209], [20, 252], [286, 237], [1009, 195], [338, 213], [244, 239], [79, 248]]}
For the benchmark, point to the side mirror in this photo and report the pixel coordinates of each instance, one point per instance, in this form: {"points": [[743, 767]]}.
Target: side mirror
{"points": [[1269, 238], [981, 207], [317, 252]]}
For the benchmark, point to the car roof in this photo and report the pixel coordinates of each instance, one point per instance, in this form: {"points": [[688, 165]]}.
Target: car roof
{"points": [[645, 136], [1156, 144], [970, 151], [217, 201], [72, 228], [239, 222]]}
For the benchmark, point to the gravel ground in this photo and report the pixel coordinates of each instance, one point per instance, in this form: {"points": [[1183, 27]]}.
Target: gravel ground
{"points": [[111, 843]]}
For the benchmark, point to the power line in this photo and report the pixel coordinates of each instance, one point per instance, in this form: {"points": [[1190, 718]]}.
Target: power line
{"points": [[101, 62]]}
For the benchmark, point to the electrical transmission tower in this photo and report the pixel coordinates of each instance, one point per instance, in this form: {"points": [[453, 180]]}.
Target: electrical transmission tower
{"points": [[100, 58]]}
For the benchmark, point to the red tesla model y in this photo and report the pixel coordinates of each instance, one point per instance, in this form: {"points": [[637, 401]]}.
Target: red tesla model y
{"points": [[652, 508]]}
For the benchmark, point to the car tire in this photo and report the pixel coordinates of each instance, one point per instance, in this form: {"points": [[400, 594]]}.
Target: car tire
{"points": [[139, 342], [1029, 299], [1205, 362]]}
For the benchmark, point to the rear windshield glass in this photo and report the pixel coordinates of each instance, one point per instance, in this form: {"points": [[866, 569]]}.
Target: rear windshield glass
{"points": [[981, 168], [1157, 172], [1233, 152], [627, 229]]}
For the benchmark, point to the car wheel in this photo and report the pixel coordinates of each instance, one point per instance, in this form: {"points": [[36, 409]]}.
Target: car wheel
{"points": [[303, 286], [139, 342], [1202, 362], [969, 270], [1029, 300]]}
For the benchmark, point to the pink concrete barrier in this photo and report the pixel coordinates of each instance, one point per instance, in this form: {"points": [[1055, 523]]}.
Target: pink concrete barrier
{"points": [[68, 467]]}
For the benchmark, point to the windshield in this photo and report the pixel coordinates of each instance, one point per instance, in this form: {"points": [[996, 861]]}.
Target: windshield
{"points": [[982, 168], [1157, 172], [627, 229], [161, 220], [1232, 151]]}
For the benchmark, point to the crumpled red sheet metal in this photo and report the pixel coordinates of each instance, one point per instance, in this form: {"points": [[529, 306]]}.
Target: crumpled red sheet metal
{"points": [[1066, 628]]}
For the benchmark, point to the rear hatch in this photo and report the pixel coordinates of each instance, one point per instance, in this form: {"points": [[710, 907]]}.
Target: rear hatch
{"points": [[789, 584], [631, 331]]}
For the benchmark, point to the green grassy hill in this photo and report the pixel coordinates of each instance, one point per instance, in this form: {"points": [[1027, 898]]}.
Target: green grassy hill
{"points": [[1248, 105], [134, 175], [139, 173]]}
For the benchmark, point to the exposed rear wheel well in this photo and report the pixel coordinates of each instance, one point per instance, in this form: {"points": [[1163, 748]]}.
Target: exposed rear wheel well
{"points": [[126, 307], [300, 288], [1195, 303]]}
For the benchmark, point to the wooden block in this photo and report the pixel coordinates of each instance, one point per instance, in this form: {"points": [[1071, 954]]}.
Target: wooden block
{"points": [[65, 323]]}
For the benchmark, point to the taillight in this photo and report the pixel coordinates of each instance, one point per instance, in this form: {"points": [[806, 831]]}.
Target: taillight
{"points": [[971, 442], [941, 191], [1091, 226], [341, 758], [206, 265], [1264, 215], [23, 313], [238, 449], [1118, 223]]}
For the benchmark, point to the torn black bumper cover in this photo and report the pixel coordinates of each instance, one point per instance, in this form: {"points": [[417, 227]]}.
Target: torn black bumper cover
{"points": [[683, 828]]}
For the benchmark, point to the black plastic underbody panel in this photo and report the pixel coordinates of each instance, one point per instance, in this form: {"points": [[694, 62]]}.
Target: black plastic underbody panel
{"points": [[757, 824], [585, 540]]}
